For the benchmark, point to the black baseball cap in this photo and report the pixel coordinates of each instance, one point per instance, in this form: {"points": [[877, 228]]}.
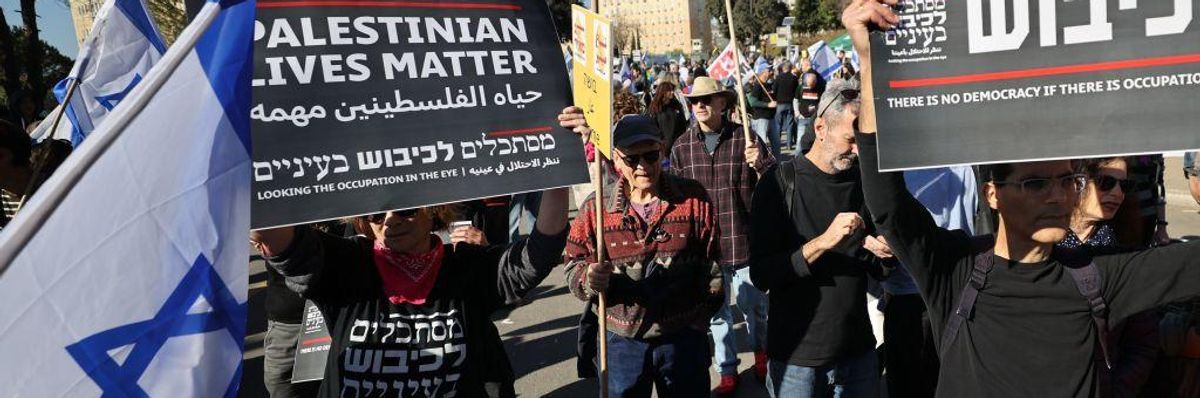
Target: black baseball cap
{"points": [[632, 129]]}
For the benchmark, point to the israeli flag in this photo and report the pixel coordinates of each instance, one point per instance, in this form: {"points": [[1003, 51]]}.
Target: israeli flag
{"points": [[121, 47], [824, 60], [125, 275]]}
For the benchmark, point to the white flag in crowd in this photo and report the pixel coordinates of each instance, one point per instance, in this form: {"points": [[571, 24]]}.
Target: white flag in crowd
{"points": [[126, 274], [722, 66], [824, 59], [122, 46]]}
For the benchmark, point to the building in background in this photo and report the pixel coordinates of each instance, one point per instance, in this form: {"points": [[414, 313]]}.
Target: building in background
{"points": [[170, 15], [660, 26]]}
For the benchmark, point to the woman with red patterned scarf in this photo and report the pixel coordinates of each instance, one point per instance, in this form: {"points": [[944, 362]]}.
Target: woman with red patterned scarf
{"points": [[409, 314]]}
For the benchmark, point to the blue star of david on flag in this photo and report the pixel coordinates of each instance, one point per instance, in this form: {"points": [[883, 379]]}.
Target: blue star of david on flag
{"points": [[110, 101], [148, 337]]}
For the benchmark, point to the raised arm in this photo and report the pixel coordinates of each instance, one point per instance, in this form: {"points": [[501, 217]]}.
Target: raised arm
{"points": [[1139, 281], [528, 261], [909, 229], [301, 255]]}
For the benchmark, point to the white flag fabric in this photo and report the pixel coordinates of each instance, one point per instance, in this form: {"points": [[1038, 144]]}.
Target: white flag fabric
{"points": [[722, 66], [824, 60], [122, 46], [125, 275]]}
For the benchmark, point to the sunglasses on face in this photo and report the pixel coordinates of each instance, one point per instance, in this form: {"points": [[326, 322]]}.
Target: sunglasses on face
{"points": [[633, 160], [707, 99], [378, 218], [1107, 183], [1041, 186]]}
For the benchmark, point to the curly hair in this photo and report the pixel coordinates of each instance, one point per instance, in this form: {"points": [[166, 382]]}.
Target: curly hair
{"points": [[625, 103]]}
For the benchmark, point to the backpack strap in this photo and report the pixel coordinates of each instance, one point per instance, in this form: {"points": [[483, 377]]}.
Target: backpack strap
{"points": [[1087, 279], [787, 183], [981, 266]]}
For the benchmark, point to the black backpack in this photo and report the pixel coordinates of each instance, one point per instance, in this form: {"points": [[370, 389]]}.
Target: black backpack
{"points": [[1082, 270]]}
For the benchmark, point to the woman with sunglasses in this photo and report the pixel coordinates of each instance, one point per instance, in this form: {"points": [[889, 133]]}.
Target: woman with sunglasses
{"points": [[409, 314], [1104, 221], [1093, 221]]}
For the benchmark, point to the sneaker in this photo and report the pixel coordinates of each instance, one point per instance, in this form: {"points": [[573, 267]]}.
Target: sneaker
{"points": [[760, 366], [727, 387]]}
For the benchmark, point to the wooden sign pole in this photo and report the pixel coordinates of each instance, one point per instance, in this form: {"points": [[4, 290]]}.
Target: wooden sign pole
{"points": [[602, 305], [737, 73]]}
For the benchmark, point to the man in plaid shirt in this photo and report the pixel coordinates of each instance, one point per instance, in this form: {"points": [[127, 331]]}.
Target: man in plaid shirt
{"points": [[715, 152]]}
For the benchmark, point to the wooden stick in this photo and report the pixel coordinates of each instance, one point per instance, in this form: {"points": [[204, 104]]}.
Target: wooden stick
{"points": [[737, 73], [602, 305], [764, 87], [40, 162]]}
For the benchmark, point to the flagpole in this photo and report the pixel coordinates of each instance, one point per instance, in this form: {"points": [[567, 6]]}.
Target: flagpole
{"points": [[40, 162], [737, 73], [26, 225], [602, 302]]}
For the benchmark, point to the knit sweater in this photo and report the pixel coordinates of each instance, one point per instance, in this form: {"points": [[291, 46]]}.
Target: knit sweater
{"points": [[666, 276]]}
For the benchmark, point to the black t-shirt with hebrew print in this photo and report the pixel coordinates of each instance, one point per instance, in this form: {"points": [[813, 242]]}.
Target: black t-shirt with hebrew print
{"points": [[447, 346]]}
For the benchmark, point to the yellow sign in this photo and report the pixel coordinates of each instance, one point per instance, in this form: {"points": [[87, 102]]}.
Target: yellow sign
{"points": [[592, 73]]}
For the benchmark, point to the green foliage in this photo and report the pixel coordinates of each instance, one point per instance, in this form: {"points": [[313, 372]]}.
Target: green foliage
{"points": [[817, 15], [55, 66], [752, 18]]}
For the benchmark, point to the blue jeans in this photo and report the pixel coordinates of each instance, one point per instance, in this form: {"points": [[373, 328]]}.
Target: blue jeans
{"points": [[785, 122], [848, 378], [768, 135], [522, 214], [801, 129], [676, 365], [753, 306]]}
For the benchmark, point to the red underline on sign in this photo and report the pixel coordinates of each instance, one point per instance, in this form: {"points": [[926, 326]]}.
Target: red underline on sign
{"points": [[504, 133], [397, 4], [1050, 71], [317, 340]]}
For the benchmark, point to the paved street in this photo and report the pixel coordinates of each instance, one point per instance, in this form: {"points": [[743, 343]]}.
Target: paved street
{"points": [[540, 337]]}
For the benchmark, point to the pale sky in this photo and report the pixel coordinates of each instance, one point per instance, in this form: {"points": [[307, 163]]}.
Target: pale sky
{"points": [[54, 22]]}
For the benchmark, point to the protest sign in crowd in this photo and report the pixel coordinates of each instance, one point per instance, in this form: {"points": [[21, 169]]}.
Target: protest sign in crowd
{"points": [[406, 170]]}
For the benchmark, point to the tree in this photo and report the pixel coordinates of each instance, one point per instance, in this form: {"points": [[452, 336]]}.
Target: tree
{"points": [[33, 53], [8, 58], [752, 18], [560, 12], [625, 33], [814, 16]]}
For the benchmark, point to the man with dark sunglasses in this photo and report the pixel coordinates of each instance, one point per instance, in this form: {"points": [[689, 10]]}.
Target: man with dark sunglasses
{"points": [[715, 152], [661, 277], [1011, 314], [808, 251]]}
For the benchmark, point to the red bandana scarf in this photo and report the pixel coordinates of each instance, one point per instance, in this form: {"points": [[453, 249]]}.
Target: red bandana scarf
{"points": [[408, 278]]}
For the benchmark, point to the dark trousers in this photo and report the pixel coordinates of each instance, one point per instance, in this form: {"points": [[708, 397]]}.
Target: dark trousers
{"points": [[912, 361], [279, 354], [676, 365]]}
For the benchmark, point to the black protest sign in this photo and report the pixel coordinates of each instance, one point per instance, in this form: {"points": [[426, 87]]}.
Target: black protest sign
{"points": [[364, 106], [986, 81], [312, 347]]}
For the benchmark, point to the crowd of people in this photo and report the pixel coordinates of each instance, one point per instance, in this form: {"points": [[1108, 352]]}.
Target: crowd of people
{"points": [[1053, 278]]}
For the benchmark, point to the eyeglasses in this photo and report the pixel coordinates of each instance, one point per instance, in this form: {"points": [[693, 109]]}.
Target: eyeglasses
{"points": [[848, 94], [1107, 183], [707, 99], [378, 218], [1041, 186], [633, 160]]}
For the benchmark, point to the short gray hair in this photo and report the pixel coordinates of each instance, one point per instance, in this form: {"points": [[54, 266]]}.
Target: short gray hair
{"points": [[833, 103]]}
